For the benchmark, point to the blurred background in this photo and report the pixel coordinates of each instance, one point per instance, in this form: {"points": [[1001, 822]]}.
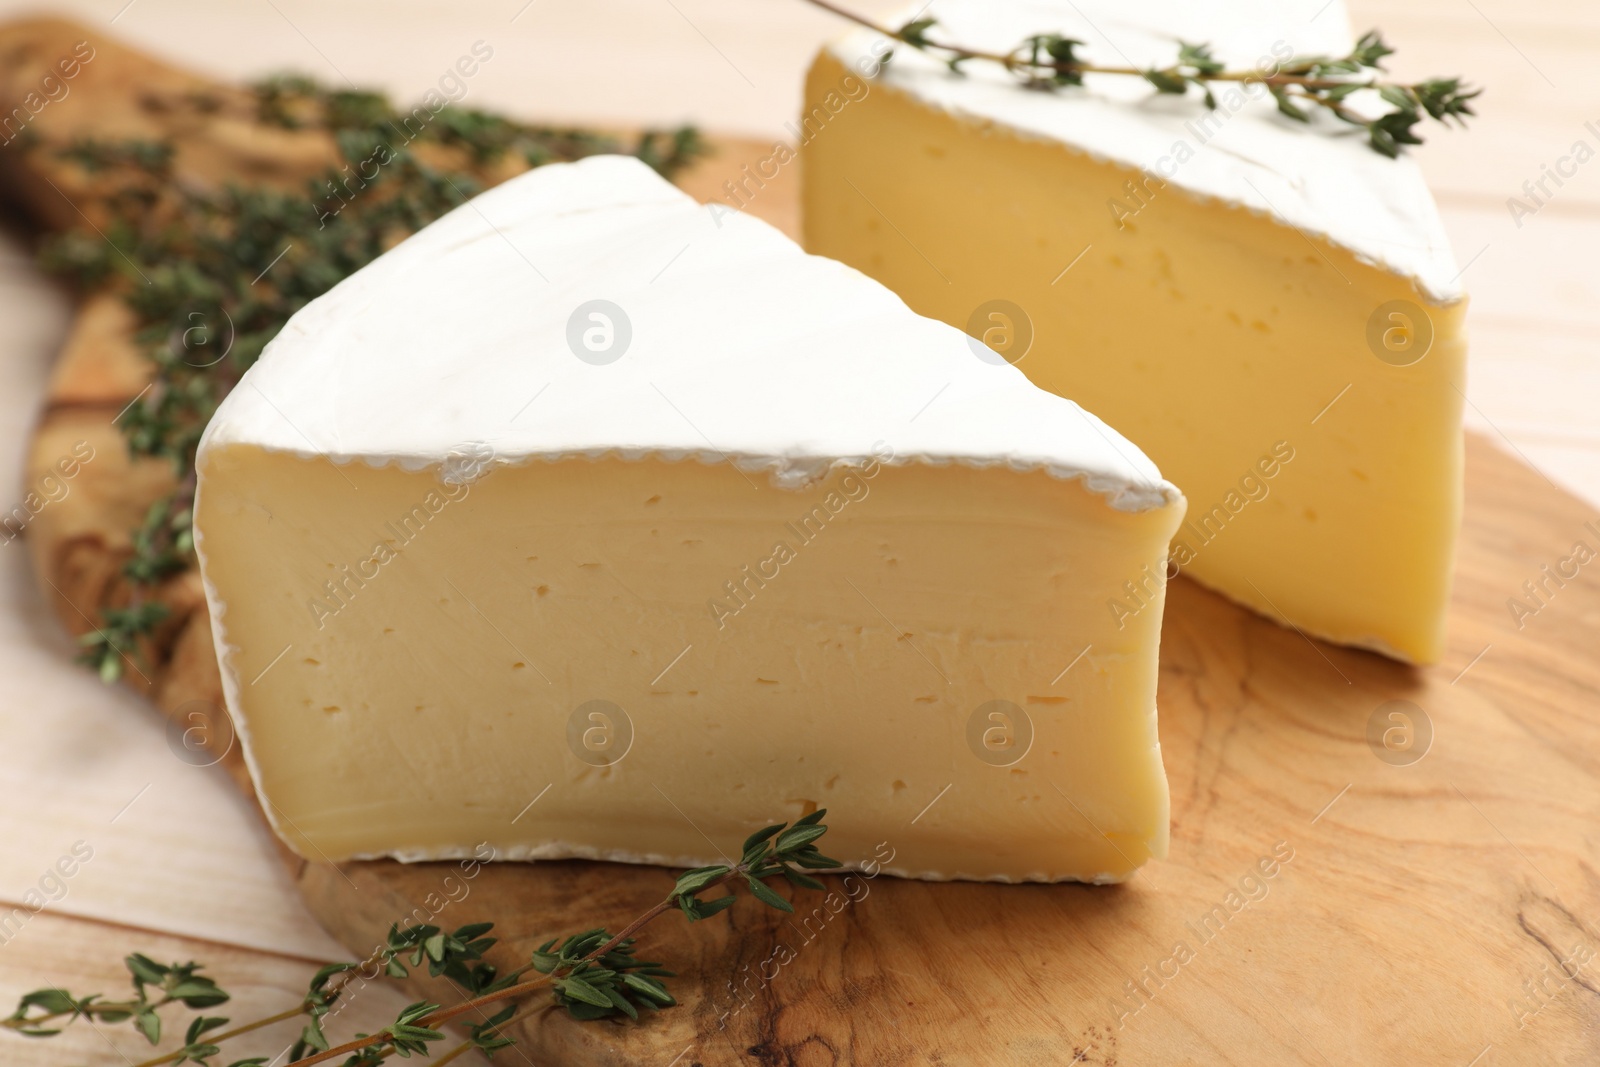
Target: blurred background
{"points": [[181, 866]]}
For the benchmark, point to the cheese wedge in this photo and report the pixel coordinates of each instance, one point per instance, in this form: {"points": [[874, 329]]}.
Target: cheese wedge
{"points": [[1270, 310], [592, 522]]}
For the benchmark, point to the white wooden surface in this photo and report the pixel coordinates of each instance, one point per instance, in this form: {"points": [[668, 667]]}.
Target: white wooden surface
{"points": [[181, 866]]}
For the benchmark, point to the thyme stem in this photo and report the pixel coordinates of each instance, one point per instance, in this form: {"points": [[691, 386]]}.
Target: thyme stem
{"points": [[217, 1039], [336, 987], [1050, 60], [434, 1020], [593, 975]]}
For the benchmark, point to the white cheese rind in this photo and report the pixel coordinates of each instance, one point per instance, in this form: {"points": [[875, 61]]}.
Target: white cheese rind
{"points": [[744, 350], [1321, 178]]}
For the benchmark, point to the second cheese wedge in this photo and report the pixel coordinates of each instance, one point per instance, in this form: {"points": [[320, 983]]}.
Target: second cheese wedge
{"points": [[588, 523], [1270, 310]]}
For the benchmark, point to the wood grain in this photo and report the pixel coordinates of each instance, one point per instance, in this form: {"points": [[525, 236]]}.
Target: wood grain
{"points": [[1414, 904]]}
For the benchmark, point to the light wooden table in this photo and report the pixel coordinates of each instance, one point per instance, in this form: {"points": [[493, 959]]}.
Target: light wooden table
{"points": [[181, 866]]}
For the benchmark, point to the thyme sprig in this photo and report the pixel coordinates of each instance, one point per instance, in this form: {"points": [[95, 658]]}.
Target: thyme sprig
{"points": [[592, 975], [155, 986], [1052, 61], [213, 274]]}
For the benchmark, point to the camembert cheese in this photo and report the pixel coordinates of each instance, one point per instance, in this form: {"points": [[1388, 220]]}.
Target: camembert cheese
{"points": [[1269, 309], [593, 522]]}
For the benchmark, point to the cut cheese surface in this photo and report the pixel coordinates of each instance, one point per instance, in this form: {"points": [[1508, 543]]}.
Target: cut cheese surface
{"points": [[492, 563], [1270, 311]]}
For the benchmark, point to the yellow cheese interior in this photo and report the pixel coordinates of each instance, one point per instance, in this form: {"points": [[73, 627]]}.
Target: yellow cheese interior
{"points": [[408, 658], [1224, 344]]}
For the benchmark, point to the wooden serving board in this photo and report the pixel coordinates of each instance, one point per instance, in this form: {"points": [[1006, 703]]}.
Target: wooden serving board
{"points": [[1328, 899]]}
